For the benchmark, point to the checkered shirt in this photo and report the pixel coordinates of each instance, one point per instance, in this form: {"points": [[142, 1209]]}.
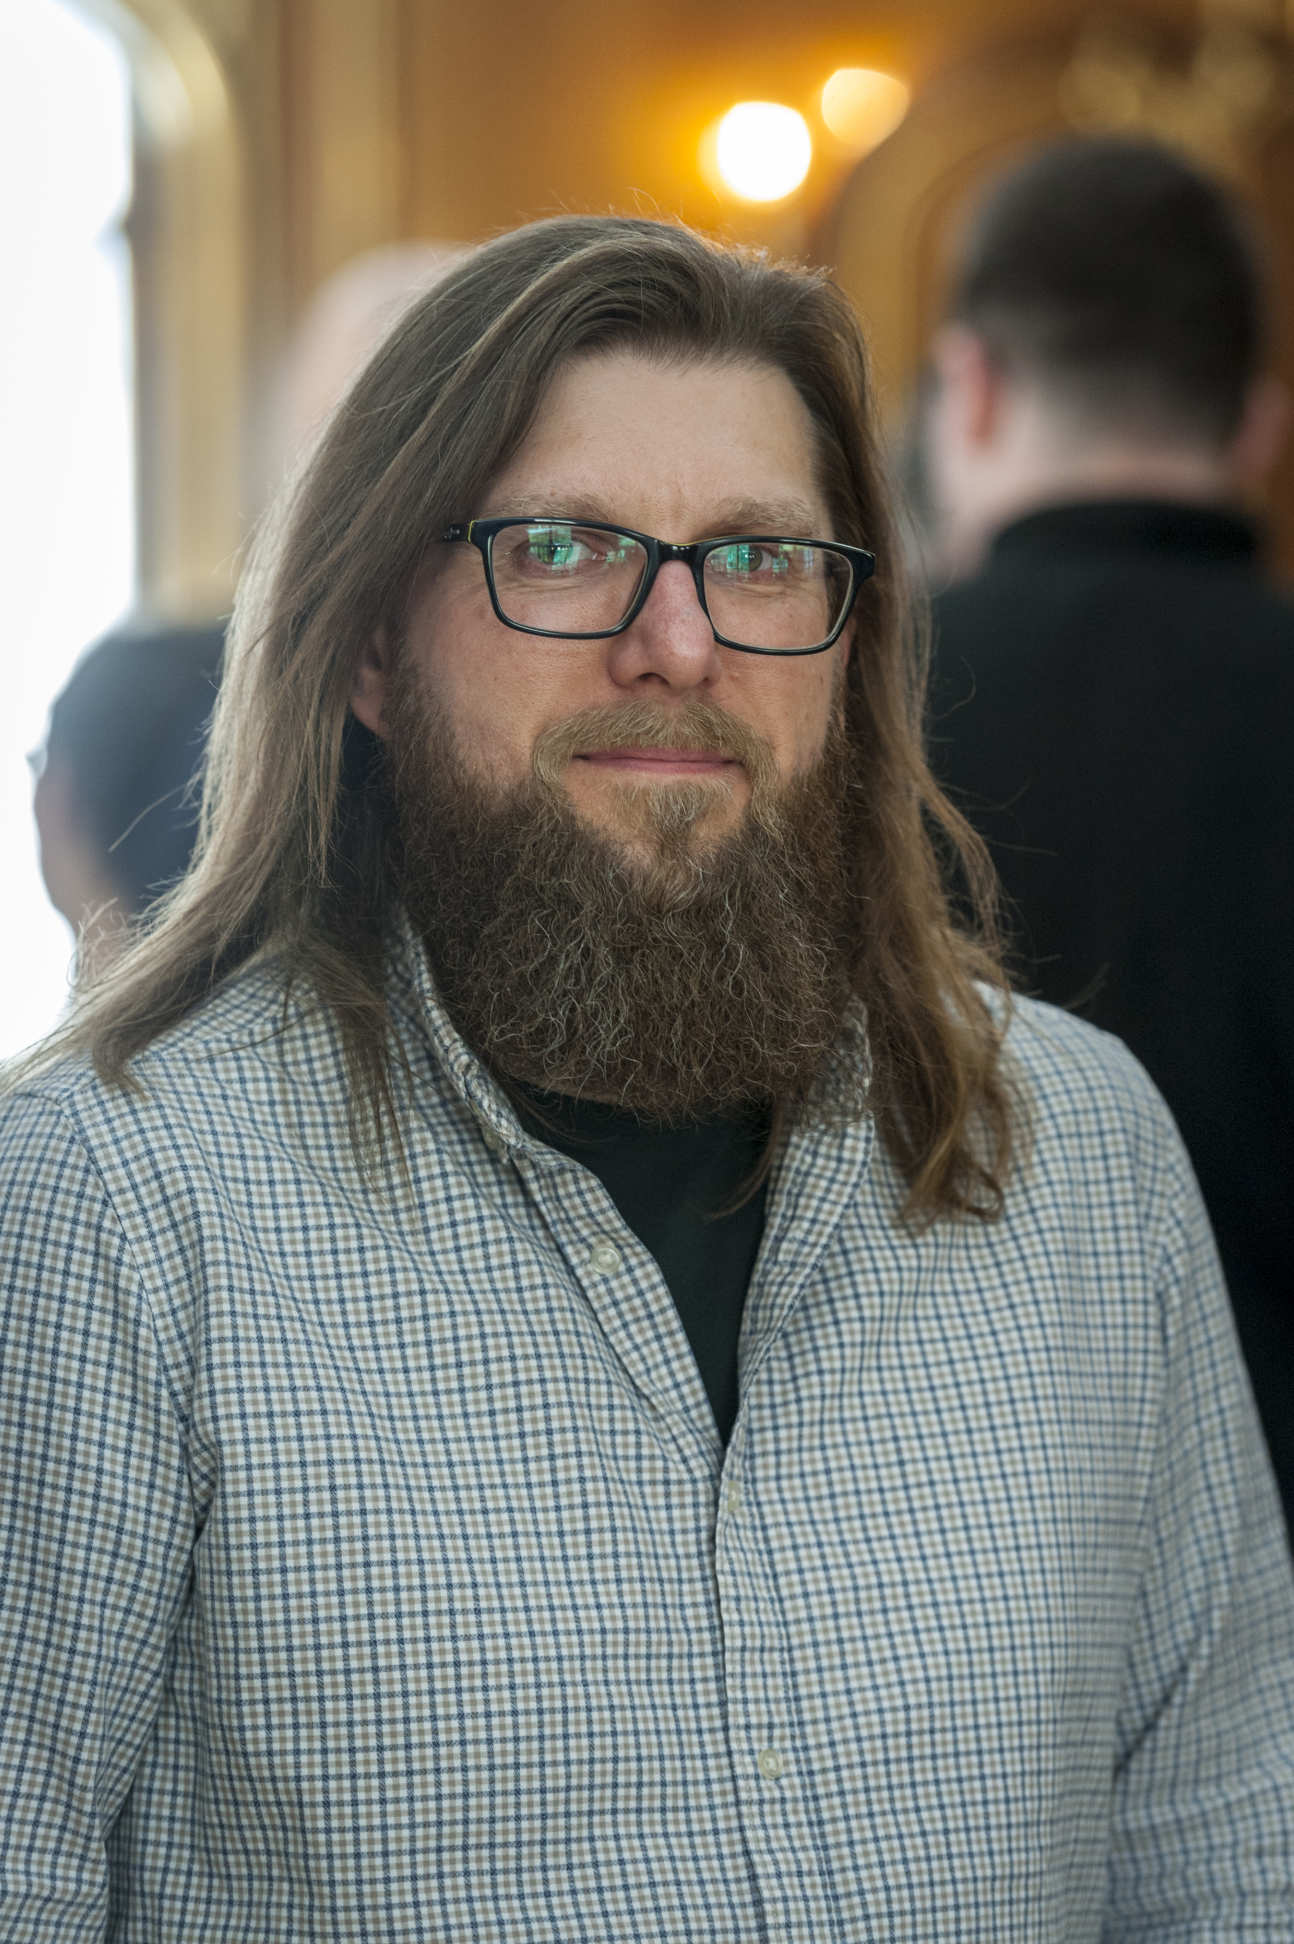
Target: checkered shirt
{"points": [[370, 1567]]}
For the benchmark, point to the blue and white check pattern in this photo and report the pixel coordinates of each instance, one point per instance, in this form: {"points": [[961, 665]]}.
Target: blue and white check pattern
{"points": [[370, 1567]]}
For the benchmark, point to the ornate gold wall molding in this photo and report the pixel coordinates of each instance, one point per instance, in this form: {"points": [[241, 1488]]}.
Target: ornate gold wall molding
{"points": [[1220, 83], [269, 149], [188, 238], [348, 133], [887, 235], [1221, 91]]}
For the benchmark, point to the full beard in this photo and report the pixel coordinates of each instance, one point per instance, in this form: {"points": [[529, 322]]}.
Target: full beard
{"points": [[679, 977]]}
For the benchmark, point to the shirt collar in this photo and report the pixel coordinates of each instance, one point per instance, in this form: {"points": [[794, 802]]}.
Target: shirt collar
{"points": [[1144, 526], [425, 1030]]}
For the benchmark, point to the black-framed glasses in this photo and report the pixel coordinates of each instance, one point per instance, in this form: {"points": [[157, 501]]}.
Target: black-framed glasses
{"points": [[580, 580]]}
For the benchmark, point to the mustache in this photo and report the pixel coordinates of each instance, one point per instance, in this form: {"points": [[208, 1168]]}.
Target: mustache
{"points": [[693, 725]]}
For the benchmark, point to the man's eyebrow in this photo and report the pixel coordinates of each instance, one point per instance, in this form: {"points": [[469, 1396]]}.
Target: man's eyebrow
{"points": [[569, 504], [792, 517]]}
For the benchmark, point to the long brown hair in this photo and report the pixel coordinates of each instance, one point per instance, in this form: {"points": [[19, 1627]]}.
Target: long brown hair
{"points": [[293, 856]]}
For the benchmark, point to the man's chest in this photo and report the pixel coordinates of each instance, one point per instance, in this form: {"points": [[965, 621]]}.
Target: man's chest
{"points": [[477, 1489]]}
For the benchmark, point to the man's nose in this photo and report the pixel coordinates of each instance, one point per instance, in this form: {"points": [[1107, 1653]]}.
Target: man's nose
{"points": [[671, 641]]}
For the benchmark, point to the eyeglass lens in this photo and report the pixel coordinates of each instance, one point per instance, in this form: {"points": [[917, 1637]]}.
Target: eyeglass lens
{"points": [[580, 580]]}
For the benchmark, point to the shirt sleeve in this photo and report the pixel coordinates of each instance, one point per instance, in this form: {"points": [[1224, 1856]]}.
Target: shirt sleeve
{"points": [[1202, 1840], [96, 1528]]}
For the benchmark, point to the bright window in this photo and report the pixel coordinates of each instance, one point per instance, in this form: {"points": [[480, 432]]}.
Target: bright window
{"points": [[67, 502]]}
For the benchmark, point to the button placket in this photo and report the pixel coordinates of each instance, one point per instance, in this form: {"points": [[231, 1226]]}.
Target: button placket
{"points": [[776, 1814]]}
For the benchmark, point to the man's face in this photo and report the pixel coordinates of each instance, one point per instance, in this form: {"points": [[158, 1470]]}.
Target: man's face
{"points": [[685, 451]]}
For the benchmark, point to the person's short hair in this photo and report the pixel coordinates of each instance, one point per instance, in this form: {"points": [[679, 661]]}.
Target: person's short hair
{"points": [[127, 734], [1117, 274]]}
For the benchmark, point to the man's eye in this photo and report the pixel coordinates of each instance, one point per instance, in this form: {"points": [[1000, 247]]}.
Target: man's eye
{"points": [[553, 552], [742, 558], [754, 560], [548, 550]]}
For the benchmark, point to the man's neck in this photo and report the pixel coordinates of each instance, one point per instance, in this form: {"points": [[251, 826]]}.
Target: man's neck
{"points": [[1112, 472], [1051, 474], [587, 1113]]}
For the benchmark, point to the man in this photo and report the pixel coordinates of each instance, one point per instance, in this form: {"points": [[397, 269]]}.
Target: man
{"points": [[1115, 702], [573, 1370]]}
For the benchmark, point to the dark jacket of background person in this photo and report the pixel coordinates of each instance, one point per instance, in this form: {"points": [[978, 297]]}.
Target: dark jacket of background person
{"points": [[1114, 709], [115, 804]]}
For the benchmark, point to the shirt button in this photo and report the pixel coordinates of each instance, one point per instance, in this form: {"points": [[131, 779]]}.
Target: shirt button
{"points": [[770, 1764], [604, 1258], [493, 1141]]}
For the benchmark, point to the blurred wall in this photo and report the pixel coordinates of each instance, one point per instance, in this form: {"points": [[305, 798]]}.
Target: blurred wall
{"points": [[278, 138]]}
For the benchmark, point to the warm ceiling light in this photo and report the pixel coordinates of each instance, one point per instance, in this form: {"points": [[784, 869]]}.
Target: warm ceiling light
{"points": [[861, 106], [763, 150]]}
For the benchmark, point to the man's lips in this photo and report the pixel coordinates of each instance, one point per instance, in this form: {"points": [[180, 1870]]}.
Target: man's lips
{"points": [[691, 762]]}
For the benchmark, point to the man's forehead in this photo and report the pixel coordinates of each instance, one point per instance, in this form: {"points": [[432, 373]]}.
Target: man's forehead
{"points": [[584, 499], [713, 445]]}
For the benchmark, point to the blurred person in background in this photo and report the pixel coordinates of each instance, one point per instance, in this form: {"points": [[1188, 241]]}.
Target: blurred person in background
{"points": [[908, 448], [118, 775], [116, 790], [1114, 706], [575, 1367]]}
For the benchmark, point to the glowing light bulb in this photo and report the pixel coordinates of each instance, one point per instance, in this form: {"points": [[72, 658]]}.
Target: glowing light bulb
{"points": [[861, 106], [763, 150]]}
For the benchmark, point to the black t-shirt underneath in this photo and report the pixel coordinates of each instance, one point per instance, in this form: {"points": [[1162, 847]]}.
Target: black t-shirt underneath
{"points": [[668, 1182]]}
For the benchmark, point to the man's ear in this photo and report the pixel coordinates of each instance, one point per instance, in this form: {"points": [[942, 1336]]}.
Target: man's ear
{"points": [[1263, 430], [969, 384], [372, 676]]}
